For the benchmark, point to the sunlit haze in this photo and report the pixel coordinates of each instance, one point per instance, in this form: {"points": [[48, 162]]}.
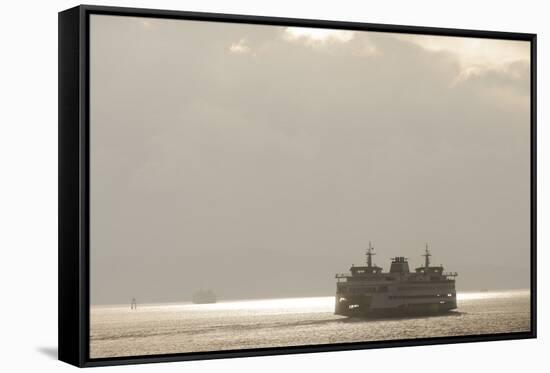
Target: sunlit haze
{"points": [[258, 161]]}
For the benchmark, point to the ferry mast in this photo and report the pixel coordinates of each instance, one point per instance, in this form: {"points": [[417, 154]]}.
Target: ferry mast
{"points": [[369, 255], [427, 255]]}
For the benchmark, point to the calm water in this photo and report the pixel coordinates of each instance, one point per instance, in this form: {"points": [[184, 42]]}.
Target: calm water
{"points": [[172, 328]]}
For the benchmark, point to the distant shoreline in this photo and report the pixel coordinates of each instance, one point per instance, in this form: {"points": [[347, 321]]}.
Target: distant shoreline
{"points": [[242, 300]]}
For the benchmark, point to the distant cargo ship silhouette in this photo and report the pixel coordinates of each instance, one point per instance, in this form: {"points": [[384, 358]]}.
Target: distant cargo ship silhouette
{"points": [[367, 291], [204, 297]]}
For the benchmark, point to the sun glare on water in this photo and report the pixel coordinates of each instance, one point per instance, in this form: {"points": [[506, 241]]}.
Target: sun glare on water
{"points": [[490, 294], [293, 305], [282, 305]]}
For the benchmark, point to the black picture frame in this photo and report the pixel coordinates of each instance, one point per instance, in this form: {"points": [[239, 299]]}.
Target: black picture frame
{"points": [[74, 297]]}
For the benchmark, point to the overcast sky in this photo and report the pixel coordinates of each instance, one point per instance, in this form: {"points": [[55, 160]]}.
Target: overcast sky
{"points": [[258, 161]]}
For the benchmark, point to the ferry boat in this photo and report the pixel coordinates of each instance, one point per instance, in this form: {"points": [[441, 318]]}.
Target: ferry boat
{"points": [[204, 297], [368, 291]]}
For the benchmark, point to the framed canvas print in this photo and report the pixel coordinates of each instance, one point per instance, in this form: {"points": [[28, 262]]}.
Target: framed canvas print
{"points": [[239, 186]]}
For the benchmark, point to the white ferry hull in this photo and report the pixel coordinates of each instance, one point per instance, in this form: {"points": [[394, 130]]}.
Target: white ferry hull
{"points": [[364, 307]]}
